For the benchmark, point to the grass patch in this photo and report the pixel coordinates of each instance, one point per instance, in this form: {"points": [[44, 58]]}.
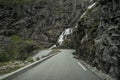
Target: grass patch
{"points": [[7, 67], [19, 39], [30, 59], [8, 70], [3, 63], [18, 49], [16, 38]]}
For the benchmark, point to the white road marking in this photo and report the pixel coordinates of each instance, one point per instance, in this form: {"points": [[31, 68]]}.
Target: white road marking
{"points": [[82, 66]]}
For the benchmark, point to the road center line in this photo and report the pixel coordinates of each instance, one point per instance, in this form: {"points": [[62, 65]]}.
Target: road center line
{"points": [[82, 66]]}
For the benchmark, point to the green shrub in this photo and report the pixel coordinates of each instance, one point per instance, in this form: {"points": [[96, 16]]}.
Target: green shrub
{"points": [[37, 58], [19, 39], [8, 70], [16, 38], [16, 50], [4, 57], [29, 41]]}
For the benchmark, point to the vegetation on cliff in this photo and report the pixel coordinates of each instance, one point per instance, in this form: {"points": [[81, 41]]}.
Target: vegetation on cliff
{"points": [[15, 50]]}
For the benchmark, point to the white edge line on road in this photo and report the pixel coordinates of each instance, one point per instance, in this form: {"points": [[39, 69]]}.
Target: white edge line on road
{"points": [[82, 66]]}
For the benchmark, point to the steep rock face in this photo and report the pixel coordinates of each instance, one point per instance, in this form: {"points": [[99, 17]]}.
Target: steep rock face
{"points": [[98, 37], [36, 24], [80, 8], [41, 20]]}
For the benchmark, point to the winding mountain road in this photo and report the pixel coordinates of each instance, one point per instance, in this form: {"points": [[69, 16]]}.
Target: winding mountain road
{"points": [[60, 67]]}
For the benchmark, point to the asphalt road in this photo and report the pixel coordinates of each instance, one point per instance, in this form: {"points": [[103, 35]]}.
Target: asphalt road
{"points": [[41, 53], [60, 67]]}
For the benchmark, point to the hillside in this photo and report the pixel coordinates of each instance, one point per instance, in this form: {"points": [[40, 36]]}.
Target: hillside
{"points": [[91, 27], [98, 37], [30, 25]]}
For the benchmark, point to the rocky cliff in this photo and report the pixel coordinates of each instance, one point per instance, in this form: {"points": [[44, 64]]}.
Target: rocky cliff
{"points": [[37, 20], [25, 26], [37, 24], [98, 37], [31, 24]]}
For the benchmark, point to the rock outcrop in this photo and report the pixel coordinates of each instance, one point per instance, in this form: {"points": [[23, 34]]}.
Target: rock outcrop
{"points": [[39, 23], [98, 37]]}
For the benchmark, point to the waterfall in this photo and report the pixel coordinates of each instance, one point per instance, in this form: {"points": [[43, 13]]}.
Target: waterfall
{"points": [[89, 8], [69, 31], [64, 35]]}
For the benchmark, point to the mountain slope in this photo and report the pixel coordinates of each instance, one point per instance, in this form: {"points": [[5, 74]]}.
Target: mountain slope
{"points": [[35, 24], [97, 37]]}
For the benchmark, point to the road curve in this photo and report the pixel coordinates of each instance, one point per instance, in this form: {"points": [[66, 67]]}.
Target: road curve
{"points": [[41, 53], [60, 67]]}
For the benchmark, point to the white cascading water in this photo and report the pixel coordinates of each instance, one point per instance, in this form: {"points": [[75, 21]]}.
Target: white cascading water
{"points": [[69, 31], [64, 35], [89, 8]]}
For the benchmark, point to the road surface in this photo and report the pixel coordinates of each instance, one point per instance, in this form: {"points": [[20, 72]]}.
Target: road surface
{"points": [[60, 67], [41, 53]]}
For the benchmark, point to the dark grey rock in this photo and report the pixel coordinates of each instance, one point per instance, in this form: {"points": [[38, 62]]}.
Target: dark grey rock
{"points": [[102, 46]]}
